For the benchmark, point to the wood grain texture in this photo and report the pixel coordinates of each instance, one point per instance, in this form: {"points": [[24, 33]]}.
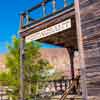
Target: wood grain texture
{"points": [[90, 23]]}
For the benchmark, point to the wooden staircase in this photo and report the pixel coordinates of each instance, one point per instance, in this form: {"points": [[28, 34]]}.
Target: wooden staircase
{"points": [[67, 91], [73, 85]]}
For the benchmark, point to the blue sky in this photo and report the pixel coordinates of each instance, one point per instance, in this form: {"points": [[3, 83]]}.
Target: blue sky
{"points": [[9, 18]]}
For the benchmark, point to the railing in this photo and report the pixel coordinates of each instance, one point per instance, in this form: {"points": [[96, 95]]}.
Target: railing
{"points": [[44, 10], [60, 88], [56, 86], [74, 86]]}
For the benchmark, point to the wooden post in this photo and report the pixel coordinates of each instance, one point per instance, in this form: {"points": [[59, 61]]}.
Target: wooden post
{"points": [[44, 9], [71, 54], [27, 18], [22, 42], [65, 3], [21, 20], [54, 5], [81, 51]]}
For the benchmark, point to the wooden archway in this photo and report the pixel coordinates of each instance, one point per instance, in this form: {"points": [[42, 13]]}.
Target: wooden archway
{"points": [[78, 36]]}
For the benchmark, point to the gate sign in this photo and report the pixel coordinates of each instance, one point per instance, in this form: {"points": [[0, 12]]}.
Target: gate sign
{"points": [[49, 31]]}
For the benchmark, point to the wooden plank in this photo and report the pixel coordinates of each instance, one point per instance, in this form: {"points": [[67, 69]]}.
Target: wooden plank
{"points": [[93, 68], [86, 3], [92, 60], [94, 91], [92, 45]]}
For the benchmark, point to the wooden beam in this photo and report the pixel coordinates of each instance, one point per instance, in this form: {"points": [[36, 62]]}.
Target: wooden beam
{"points": [[22, 42], [81, 50]]}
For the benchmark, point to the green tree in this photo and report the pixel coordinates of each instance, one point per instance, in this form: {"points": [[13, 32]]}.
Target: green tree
{"points": [[35, 68]]}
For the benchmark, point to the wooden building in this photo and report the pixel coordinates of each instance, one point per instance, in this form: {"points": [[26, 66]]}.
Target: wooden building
{"points": [[76, 26]]}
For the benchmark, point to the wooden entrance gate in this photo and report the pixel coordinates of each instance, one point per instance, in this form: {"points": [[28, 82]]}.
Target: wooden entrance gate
{"points": [[81, 32]]}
